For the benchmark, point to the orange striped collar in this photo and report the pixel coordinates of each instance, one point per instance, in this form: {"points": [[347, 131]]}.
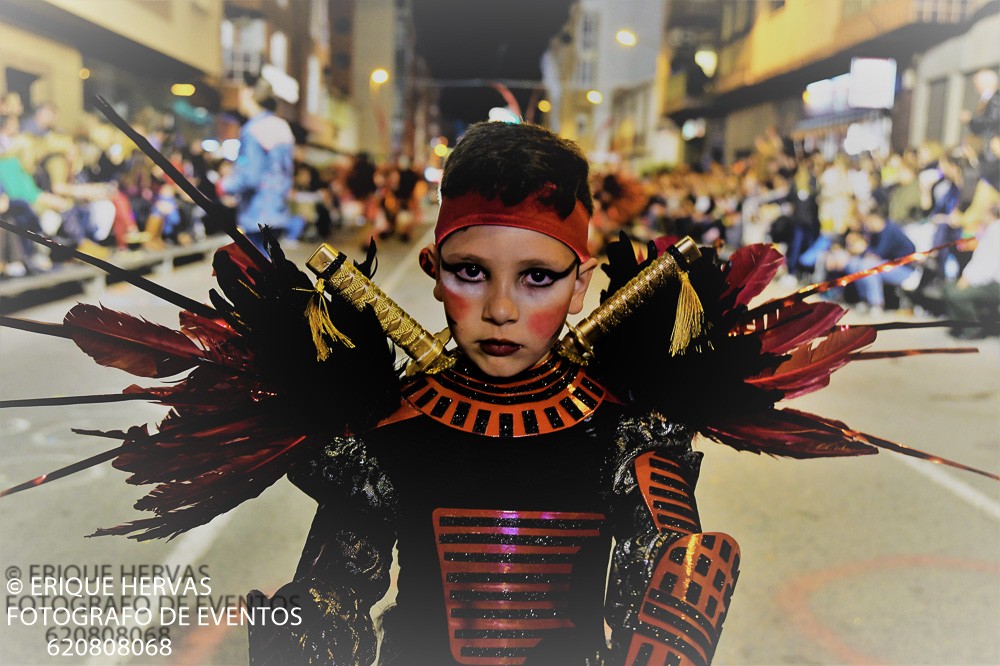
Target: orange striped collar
{"points": [[554, 395]]}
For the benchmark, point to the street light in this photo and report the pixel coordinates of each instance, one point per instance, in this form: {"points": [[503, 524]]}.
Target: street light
{"points": [[594, 97], [379, 76], [708, 60], [626, 37]]}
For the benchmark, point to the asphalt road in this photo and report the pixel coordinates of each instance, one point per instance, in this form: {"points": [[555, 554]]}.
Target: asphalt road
{"points": [[853, 561]]}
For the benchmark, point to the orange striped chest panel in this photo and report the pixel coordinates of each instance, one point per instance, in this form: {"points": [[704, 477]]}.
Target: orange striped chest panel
{"points": [[669, 497], [506, 577]]}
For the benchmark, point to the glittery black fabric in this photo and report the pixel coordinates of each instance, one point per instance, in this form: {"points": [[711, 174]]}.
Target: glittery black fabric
{"points": [[380, 489], [638, 543]]}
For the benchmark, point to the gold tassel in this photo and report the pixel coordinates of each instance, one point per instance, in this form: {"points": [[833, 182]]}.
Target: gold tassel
{"points": [[689, 321], [321, 326]]}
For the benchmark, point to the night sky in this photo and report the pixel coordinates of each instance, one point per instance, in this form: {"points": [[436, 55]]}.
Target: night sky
{"points": [[489, 39]]}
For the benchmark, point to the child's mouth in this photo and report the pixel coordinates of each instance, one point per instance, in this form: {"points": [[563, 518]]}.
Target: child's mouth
{"points": [[498, 347]]}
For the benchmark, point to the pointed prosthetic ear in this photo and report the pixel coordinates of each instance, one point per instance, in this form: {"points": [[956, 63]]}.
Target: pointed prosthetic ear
{"points": [[429, 261]]}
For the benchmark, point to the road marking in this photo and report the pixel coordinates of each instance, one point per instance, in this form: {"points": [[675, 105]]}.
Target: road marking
{"points": [[191, 546], [795, 599], [958, 488]]}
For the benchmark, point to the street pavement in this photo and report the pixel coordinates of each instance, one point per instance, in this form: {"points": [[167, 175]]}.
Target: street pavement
{"points": [[874, 560]]}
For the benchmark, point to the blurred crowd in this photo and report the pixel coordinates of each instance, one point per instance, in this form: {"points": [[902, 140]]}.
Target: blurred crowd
{"points": [[837, 216], [94, 191], [830, 215]]}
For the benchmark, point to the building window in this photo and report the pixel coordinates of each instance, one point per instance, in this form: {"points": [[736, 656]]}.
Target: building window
{"points": [[737, 19], [588, 31], [313, 80], [243, 41], [936, 96], [319, 23], [278, 51], [342, 25], [585, 72]]}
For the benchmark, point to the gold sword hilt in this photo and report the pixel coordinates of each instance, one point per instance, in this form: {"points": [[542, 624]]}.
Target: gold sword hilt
{"points": [[344, 280], [578, 344]]}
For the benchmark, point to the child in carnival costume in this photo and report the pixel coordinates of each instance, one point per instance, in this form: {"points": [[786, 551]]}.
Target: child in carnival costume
{"points": [[503, 469], [503, 479]]}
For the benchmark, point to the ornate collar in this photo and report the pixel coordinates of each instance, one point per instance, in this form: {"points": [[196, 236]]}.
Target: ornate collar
{"points": [[552, 396]]}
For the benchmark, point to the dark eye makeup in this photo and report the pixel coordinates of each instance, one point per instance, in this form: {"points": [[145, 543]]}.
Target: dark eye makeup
{"points": [[533, 277]]}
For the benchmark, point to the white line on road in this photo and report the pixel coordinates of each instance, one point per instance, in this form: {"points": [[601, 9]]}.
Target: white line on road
{"points": [[958, 488]]}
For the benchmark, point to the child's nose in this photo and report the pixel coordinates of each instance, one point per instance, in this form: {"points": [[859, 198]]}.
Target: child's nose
{"points": [[500, 308]]}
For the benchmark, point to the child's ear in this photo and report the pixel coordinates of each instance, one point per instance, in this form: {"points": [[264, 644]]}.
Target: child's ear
{"points": [[583, 277], [430, 263]]}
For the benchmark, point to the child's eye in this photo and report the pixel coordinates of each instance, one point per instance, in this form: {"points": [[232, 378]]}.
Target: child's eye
{"points": [[539, 277], [468, 272]]}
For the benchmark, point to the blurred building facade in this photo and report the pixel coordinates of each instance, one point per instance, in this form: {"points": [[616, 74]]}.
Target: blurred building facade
{"points": [[62, 51], [604, 90], [707, 77], [133, 52], [824, 72]]}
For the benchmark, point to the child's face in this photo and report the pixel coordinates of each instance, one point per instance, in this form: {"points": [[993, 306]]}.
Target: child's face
{"points": [[506, 293]]}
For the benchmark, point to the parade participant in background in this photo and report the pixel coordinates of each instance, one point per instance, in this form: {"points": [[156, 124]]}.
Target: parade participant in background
{"points": [[261, 179]]}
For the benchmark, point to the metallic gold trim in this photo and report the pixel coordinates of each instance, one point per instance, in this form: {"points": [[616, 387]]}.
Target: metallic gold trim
{"points": [[426, 349]]}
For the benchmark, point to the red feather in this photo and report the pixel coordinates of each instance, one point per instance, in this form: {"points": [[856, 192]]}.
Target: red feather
{"points": [[790, 433], [796, 324], [221, 344], [197, 486], [795, 434], [246, 265], [135, 345], [809, 368], [751, 269]]}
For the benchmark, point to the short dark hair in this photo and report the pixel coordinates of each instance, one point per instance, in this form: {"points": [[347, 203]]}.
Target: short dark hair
{"points": [[513, 161]]}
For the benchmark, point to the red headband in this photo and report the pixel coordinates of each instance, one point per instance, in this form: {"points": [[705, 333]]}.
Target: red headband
{"points": [[473, 209]]}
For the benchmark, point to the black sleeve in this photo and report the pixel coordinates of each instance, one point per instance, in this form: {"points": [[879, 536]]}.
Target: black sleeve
{"points": [[344, 568], [639, 540]]}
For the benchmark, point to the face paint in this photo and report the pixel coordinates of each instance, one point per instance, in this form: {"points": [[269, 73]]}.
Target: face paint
{"points": [[506, 293]]}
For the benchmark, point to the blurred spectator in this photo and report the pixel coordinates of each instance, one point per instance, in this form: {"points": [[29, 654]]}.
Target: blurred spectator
{"points": [[884, 240], [984, 123], [976, 294], [42, 120], [360, 182], [804, 215], [404, 190], [308, 202], [261, 178]]}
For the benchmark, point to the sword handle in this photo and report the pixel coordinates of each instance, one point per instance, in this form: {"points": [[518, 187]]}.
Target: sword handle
{"points": [[343, 279], [577, 345]]}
